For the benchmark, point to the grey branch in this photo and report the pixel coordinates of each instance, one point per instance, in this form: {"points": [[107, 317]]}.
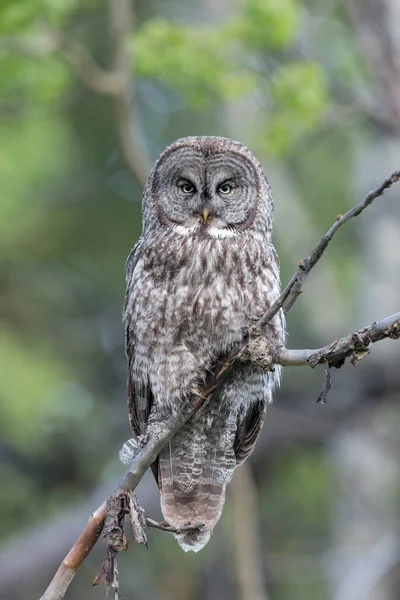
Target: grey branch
{"points": [[116, 82], [132, 150], [94, 77], [255, 349], [246, 532], [354, 345], [85, 67], [294, 288]]}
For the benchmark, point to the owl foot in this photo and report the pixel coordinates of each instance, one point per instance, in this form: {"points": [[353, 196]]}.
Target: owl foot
{"points": [[164, 526], [131, 448]]}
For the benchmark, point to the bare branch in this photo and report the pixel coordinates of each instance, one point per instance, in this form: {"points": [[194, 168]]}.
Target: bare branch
{"points": [[246, 530], [94, 77], [89, 536], [88, 71], [295, 286], [353, 345], [132, 150], [257, 350], [76, 555], [116, 83]]}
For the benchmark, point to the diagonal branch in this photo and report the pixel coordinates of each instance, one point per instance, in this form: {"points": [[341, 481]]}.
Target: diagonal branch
{"points": [[355, 345], [294, 288], [116, 82], [88, 71], [257, 350]]}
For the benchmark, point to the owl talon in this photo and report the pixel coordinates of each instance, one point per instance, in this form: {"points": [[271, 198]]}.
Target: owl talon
{"points": [[165, 526]]}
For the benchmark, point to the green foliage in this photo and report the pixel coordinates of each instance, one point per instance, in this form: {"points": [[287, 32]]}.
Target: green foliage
{"points": [[28, 373], [13, 499], [298, 497], [300, 99], [18, 16], [300, 88], [31, 148], [31, 73], [207, 65], [268, 24], [33, 80], [191, 60]]}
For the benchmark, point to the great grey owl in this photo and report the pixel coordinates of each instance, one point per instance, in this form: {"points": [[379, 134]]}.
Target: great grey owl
{"points": [[200, 275]]}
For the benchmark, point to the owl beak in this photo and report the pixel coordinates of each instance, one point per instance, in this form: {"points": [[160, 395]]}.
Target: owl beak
{"points": [[205, 215]]}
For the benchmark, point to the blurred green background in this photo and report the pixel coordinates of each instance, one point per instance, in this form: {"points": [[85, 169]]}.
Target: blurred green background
{"points": [[90, 94]]}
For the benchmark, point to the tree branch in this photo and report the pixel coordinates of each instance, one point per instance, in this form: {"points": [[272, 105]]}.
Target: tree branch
{"points": [[354, 344], [84, 66], [246, 531], [294, 288], [116, 82], [256, 350], [89, 72], [133, 153]]}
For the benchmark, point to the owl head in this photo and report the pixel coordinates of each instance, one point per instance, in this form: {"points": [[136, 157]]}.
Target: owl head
{"points": [[207, 186]]}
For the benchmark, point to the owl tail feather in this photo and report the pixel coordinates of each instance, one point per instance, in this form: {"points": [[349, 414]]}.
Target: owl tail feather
{"points": [[192, 478], [193, 506], [193, 539]]}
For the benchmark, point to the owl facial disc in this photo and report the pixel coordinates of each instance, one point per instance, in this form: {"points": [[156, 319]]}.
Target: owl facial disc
{"points": [[204, 185]]}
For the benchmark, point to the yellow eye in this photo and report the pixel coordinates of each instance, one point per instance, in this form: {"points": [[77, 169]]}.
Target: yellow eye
{"points": [[187, 188], [225, 189]]}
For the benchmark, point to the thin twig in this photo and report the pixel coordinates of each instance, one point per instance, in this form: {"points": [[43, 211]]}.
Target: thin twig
{"points": [[322, 398], [294, 288], [85, 67]]}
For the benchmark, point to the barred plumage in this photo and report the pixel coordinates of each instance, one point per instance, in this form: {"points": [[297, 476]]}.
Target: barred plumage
{"points": [[202, 271]]}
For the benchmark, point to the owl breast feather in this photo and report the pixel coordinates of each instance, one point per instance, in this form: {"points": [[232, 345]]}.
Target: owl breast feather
{"points": [[193, 301]]}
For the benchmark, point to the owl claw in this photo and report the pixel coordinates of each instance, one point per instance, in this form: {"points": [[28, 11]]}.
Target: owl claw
{"points": [[131, 448], [165, 526]]}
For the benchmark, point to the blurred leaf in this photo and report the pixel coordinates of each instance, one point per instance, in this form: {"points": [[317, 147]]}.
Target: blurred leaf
{"points": [[28, 371], [300, 99], [17, 16], [301, 89], [298, 492], [192, 60], [268, 24], [13, 498], [42, 79], [33, 155]]}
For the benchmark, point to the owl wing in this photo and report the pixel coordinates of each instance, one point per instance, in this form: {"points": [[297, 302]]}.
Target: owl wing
{"points": [[248, 430], [140, 401], [140, 397]]}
